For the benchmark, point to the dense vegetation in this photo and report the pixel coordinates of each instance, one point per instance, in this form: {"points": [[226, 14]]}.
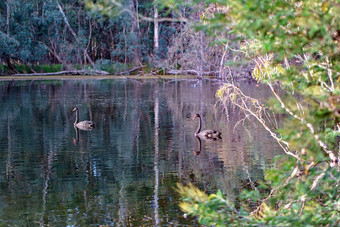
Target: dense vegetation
{"points": [[112, 36], [37, 32], [296, 48]]}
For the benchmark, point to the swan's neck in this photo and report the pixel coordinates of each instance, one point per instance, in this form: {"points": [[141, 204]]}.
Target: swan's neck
{"points": [[199, 125], [77, 119]]}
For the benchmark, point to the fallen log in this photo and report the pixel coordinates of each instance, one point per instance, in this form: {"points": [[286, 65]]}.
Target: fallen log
{"points": [[71, 72], [127, 72], [190, 72]]}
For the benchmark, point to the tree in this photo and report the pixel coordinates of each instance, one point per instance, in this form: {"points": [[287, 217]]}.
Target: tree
{"points": [[295, 49], [105, 34], [37, 28], [133, 18], [7, 16], [156, 31], [73, 33]]}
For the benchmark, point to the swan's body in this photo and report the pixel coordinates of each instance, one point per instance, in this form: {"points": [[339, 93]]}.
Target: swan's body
{"points": [[83, 125], [207, 134]]}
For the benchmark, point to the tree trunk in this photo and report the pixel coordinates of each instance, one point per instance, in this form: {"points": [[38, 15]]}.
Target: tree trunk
{"points": [[125, 48], [201, 55], [7, 17], [156, 35], [135, 32], [73, 33], [56, 56], [10, 65], [89, 38], [221, 72]]}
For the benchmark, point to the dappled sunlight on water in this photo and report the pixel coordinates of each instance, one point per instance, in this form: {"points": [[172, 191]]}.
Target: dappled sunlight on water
{"points": [[124, 171]]}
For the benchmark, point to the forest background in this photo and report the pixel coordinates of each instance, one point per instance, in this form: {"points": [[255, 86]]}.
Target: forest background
{"points": [[127, 37], [293, 47]]}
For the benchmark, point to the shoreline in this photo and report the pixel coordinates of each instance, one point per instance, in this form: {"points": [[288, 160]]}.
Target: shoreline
{"points": [[99, 77]]}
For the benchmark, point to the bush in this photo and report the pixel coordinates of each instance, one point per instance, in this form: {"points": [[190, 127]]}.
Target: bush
{"points": [[297, 52]]}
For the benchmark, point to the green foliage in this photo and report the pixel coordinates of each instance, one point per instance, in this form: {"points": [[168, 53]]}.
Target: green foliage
{"points": [[8, 45], [132, 41], [312, 208], [296, 50], [37, 68], [212, 210], [37, 33], [112, 68]]}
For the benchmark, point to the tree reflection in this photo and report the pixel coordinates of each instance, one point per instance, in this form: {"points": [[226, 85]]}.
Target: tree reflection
{"points": [[156, 110]]}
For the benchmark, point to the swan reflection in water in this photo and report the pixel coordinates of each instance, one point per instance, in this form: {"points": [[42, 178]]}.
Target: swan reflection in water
{"points": [[199, 144], [76, 140]]}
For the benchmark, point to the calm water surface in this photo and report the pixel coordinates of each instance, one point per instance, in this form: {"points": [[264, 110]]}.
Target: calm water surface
{"points": [[123, 172]]}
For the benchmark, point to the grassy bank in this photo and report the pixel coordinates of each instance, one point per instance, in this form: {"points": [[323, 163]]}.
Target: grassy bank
{"points": [[36, 68], [109, 67]]}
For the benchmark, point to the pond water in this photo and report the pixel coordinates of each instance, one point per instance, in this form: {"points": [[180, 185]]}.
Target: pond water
{"points": [[124, 171]]}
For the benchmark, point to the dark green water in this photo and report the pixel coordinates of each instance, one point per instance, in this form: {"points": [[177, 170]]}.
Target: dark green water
{"points": [[123, 172]]}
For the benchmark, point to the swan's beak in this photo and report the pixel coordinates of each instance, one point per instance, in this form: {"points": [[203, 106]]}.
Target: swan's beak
{"points": [[74, 109], [194, 117]]}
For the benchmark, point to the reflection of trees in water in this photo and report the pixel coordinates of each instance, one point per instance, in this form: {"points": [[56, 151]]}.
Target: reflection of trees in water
{"points": [[142, 132], [242, 153]]}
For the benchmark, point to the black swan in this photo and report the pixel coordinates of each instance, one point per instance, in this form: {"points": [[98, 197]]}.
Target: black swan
{"points": [[83, 125], [207, 134]]}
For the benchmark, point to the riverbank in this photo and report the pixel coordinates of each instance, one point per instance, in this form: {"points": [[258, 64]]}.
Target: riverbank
{"points": [[53, 72], [91, 77]]}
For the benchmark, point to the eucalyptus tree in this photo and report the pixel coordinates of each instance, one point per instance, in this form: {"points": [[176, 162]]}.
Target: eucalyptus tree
{"points": [[142, 28], [45, 32], [36, 32], [17, 43], [31, 28]]}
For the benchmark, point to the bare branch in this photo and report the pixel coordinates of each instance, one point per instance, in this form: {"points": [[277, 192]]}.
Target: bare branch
{"points": [[254, 108], [330, 153], [317, 179]]}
